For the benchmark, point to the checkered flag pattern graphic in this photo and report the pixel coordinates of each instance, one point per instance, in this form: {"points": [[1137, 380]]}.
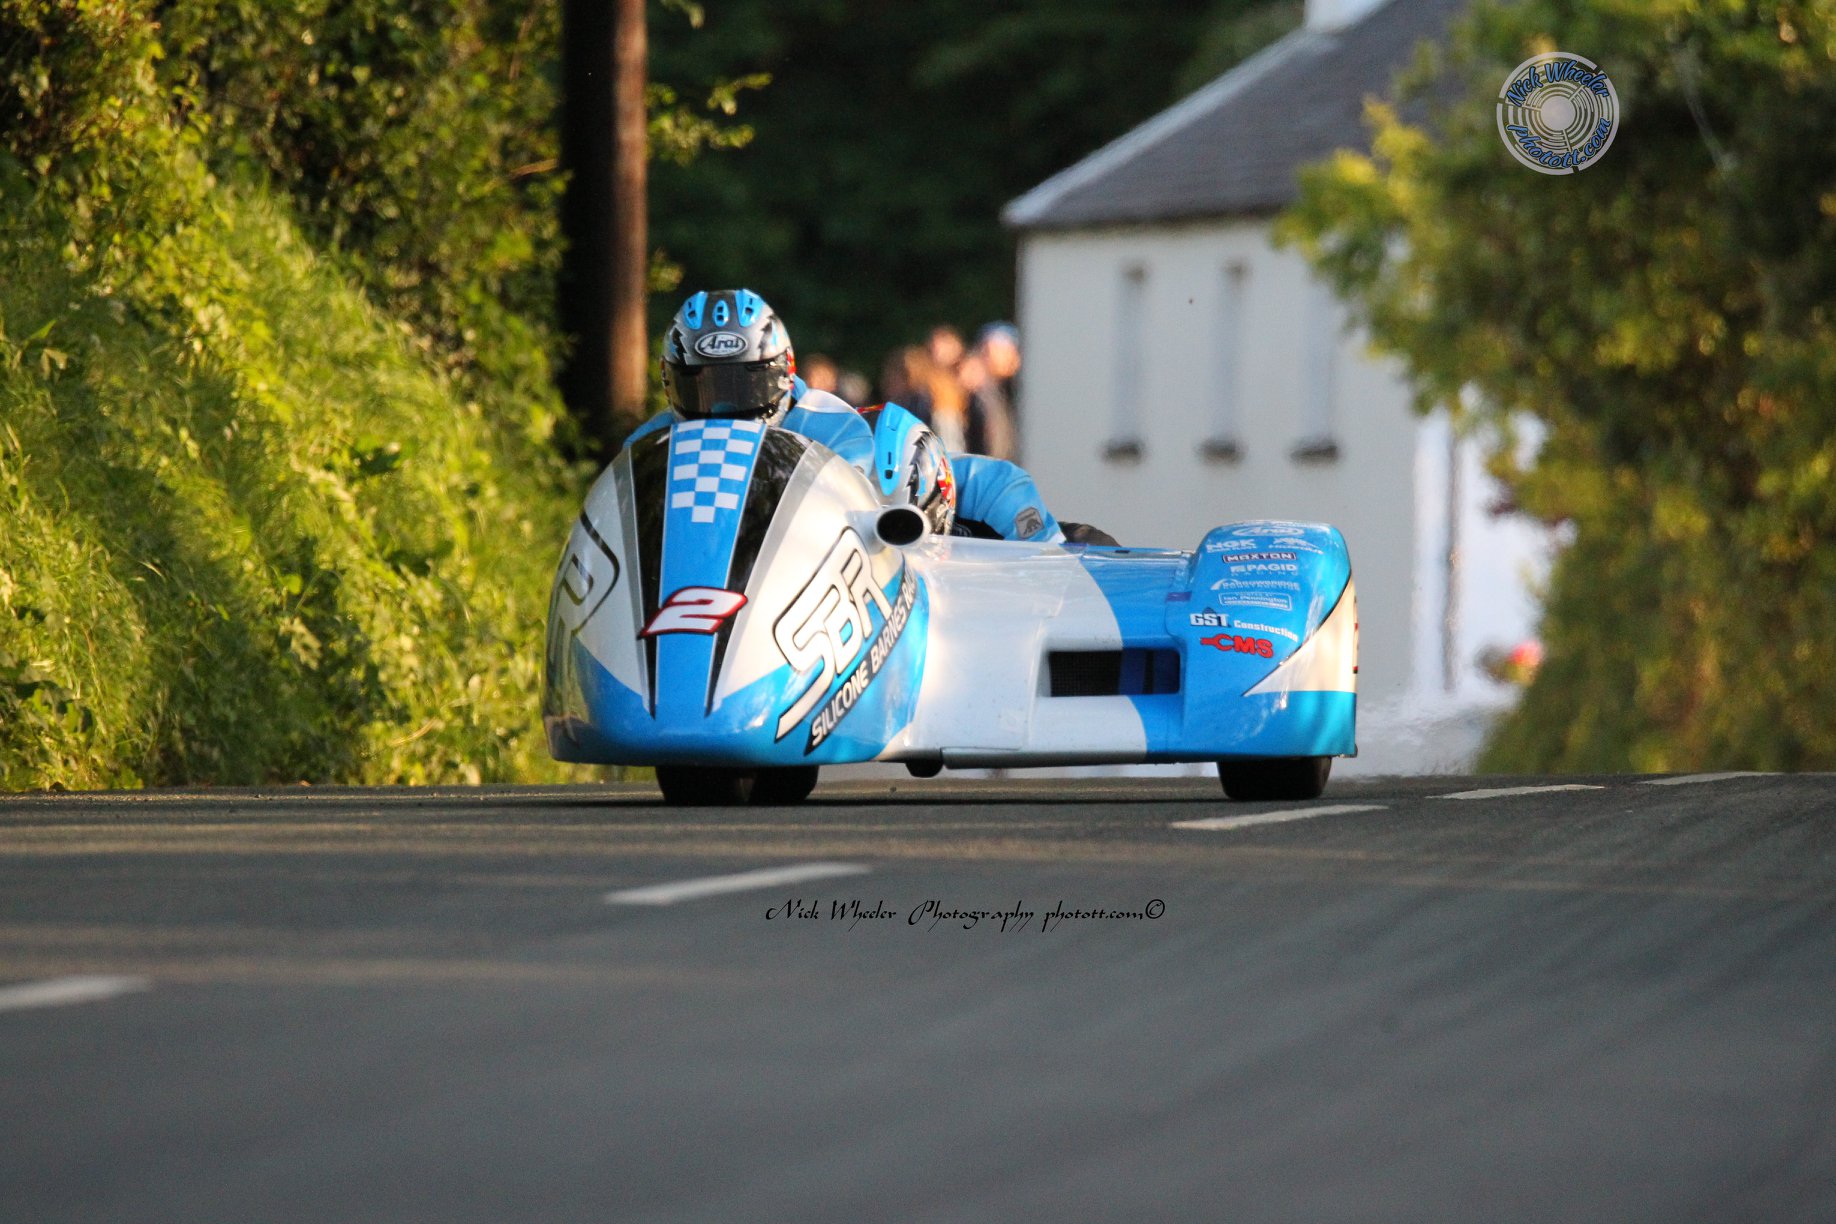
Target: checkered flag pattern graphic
{"points": [[710, 462]]}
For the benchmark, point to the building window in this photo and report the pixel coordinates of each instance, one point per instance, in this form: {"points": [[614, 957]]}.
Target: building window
{"points": [[1124, 444], [1318, 441], [1223, 444]]}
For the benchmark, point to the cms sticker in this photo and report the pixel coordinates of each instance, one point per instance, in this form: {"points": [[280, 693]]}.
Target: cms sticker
{"points": [[721, 344], [1231, 643]]}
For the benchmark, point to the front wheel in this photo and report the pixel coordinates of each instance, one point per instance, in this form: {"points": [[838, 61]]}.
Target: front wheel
{"points": [[1275, 777], [704, 786], [784, 784]]}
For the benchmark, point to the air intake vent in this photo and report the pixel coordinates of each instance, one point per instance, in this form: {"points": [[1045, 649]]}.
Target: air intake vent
{"points": [[1133, 672]]}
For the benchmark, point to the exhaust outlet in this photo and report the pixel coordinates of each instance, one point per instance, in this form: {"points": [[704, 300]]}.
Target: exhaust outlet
{"points": [[900, 526]]}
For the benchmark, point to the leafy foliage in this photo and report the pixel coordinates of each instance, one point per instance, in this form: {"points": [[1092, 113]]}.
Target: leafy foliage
{"points": [[867, 205], [251, 531], [1667, 315], [415, 137]]}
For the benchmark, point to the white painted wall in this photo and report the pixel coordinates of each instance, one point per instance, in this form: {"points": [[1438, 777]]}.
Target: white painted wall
{"points": [[1071, 295], [1387, 490]]}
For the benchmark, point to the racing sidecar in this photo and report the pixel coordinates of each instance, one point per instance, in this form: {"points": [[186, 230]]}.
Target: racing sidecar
{"points": [[737, 608]]}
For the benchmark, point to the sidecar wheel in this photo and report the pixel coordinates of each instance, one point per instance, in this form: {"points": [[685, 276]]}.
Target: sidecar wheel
{"points": [[789, 784], [704, 785], [1275, 777]]}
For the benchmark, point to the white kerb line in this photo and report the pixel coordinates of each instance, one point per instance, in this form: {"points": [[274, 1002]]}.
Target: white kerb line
{"points": [[1281, 817], [744, 881], [1499, 792], [1687, 779], [59, 992]]}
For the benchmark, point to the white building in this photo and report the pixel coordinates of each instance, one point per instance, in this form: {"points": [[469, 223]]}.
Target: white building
{"points": [[1181, 372]]}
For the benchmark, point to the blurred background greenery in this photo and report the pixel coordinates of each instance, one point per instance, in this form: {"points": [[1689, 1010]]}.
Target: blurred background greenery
{"points": [[1668, 318], [282, 468]]}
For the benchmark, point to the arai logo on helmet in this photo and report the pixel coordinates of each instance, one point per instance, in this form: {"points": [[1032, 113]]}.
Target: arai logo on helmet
{"points": [[721, 344]]}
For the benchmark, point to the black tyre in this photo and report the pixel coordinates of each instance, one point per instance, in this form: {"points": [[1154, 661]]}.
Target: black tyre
{"points": [[786, 784], [704, 785], [1084, 533], [1275, 777]]}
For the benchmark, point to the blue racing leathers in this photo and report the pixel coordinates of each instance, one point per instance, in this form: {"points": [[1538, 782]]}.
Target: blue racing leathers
{"points": [[993, 497], [1000, 498]]}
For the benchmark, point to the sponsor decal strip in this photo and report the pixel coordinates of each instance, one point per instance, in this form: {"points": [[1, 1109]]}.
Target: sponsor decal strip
{"points": [[1276, 600], [846, 697]]}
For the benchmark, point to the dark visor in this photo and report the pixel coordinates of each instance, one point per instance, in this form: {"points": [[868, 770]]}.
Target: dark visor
{"points": [[728, 390]]}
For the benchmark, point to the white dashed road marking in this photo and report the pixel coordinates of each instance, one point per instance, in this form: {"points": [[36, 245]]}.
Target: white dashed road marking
{"points": [[1687, 779], [1499, 792], [745, 881], [1262, 818], [59, 992]]}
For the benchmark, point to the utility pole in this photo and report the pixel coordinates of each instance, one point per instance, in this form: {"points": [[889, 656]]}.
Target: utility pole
{"points": [[605, 382]]}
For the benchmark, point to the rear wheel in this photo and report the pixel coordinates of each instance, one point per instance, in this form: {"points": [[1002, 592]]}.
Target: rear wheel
{"points": [[1275, 777], [784, 784], [704, 785]]}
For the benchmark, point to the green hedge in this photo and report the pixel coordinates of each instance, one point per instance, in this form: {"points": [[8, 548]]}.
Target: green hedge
{"points": [[252, 528]]}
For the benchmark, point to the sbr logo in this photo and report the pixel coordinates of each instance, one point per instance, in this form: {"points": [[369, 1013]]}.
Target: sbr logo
{"points": [[827, 624]]}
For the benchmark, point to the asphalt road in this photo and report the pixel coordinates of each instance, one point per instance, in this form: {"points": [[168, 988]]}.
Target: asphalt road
{"points": [[1614, 1003]]}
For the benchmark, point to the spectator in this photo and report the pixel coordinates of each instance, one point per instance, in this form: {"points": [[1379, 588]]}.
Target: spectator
{"points": [[820, 373], [949, 402], [916, 382], [854, 387], [897, 385], [946, 346], [988, 374]]}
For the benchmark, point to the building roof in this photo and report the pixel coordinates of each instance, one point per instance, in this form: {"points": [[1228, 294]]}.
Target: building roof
{"points": [[1235, 146]]}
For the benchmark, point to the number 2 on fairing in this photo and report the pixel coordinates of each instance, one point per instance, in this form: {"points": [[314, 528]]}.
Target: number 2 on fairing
{"points": [[694, 610]]}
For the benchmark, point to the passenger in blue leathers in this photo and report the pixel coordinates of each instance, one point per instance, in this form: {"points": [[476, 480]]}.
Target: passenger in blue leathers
{"points": [[727, 354]]}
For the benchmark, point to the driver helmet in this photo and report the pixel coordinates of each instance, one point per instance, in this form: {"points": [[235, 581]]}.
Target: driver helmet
{"points": [[912, 467], [727, 355]]}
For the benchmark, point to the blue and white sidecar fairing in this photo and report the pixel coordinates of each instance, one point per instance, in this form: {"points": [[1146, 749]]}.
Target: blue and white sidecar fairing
{"points": [[736, 607]]}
